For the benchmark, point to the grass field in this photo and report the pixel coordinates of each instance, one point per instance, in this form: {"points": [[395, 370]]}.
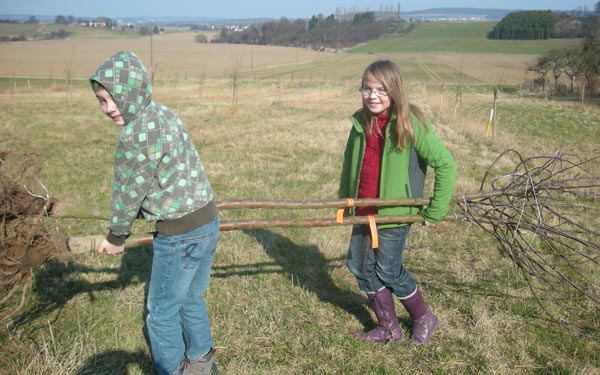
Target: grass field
{"points": [[468, 37], [459, 47], [281, 300], [175, 56]]}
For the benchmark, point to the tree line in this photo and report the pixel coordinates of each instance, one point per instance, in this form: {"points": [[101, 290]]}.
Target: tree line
{"points": [[70, 20], [525, 25], [318, 32], [580, 63], [60, 34]]}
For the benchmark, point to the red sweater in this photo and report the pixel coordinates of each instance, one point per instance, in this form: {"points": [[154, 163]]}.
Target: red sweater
{"points": [[371, 166]]}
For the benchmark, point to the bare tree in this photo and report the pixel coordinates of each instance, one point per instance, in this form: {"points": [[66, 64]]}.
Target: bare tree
{"points": [[201, 79], [573, 64], [13, 83], [278, 93], [556, 61], [153, 64], [541, 67], [591, 61], [459, 84], [68, 69], [236, 67]]}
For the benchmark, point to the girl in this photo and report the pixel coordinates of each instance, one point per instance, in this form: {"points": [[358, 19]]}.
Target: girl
{"points": [[387, 154]]}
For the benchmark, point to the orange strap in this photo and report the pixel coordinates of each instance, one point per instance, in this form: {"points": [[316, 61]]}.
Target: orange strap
{"points": [[373, 228], [339, 217]]}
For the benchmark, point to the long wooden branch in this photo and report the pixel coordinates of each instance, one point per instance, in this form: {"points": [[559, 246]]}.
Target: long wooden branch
{"points": [[77, 245], [317, 204], [359, 202]]}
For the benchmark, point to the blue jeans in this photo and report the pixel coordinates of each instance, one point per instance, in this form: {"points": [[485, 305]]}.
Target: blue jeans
{"points": [[177, 321], [375, 269]]}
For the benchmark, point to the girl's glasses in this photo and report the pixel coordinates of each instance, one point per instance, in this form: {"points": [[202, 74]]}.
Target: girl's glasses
{"points": [[367, 92]]}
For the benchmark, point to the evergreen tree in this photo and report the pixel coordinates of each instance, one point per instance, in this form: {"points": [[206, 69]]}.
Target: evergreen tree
{"points": [[524, 25]]}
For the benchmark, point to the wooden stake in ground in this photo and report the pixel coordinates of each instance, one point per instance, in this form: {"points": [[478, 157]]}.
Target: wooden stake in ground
{"points": [[491, 125]]}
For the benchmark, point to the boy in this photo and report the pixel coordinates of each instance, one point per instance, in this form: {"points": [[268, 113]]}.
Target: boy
{"points": [[158, 173]]}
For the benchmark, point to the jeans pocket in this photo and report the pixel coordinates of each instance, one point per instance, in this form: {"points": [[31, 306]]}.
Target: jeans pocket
{"points": [[195, 250]]}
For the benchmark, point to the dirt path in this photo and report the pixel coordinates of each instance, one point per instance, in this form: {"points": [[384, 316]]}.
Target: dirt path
{"points": [[428, 70]]}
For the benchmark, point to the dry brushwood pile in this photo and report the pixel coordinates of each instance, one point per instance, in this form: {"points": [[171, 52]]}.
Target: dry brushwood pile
{"points": [[26, 238], [545, 216]]}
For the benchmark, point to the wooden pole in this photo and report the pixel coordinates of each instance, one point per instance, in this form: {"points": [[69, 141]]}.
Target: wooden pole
{"points": [[83, 213], [85, 244], [334, 203], [494, 117], [491, 125], [337, 203], [78, 245]]}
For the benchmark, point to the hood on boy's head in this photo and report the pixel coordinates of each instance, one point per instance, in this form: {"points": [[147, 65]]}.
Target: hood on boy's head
{"points": [[125, 78]]}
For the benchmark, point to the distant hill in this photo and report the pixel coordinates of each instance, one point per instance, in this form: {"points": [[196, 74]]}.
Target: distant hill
{"points": [[25, 17], [158, 20], [456, 14]]}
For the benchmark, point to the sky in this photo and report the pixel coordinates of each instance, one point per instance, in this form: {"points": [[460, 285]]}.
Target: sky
{"points": [[257, 8]]}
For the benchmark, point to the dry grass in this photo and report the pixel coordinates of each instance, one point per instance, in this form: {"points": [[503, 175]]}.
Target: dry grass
{"points": [[176, 56], [499, 69], [281, 301]]}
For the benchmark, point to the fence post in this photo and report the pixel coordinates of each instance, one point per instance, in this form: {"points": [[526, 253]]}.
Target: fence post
{"points": [[491, 125]]}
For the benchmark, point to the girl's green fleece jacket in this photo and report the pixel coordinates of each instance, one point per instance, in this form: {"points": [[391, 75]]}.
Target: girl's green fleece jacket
{"points": [[402, 171]]}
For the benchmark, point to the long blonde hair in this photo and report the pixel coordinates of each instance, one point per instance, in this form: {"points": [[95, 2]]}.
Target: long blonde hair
{"points": [[390, 76]]}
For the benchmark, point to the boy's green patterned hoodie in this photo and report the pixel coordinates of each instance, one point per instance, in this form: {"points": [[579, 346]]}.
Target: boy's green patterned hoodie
{"points": [[157, 169]]}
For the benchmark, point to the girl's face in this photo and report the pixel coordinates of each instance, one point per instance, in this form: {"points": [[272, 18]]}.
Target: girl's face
{"points": [[109, 107], [374, 96]]}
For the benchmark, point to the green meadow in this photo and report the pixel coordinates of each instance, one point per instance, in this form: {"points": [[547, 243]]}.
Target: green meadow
{"points": [[281, 300], [467, 37]]}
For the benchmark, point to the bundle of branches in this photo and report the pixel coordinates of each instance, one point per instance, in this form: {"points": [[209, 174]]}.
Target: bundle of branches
{"points": [[26, 238], [545, 215]]}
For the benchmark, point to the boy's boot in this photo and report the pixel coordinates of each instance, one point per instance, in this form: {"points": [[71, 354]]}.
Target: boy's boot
{"points": [[382, 303], [206, 365], [424, 321]]}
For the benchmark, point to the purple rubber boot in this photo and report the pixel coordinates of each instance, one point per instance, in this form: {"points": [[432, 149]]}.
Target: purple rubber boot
{"points": [[424, 321], [382, 303]]}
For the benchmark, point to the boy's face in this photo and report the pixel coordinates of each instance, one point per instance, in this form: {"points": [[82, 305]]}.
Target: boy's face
{"points": [[108, 106]]}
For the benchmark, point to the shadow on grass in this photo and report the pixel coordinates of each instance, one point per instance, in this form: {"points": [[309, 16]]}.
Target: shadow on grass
{"points": [[117, 362], [308, 268], [58, 282]]}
